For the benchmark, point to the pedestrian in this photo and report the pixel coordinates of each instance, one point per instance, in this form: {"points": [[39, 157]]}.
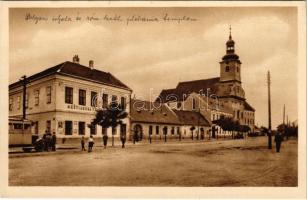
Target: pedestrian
{"points": [[150, 137], [278, 140], [53, 141], [105, 140], [135, 137], [90, 143], [48, 141], [44, 141], [123, 139], [83, 144]]}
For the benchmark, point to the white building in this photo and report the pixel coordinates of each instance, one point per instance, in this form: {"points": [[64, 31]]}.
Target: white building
{"points": [[158, 120], [63, 99]]}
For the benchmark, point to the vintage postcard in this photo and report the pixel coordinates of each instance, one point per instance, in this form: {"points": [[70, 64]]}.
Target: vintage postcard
{"points": [[154, 99]]}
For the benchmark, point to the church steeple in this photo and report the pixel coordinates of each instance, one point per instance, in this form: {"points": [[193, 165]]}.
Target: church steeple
{"points": [[230, 48], [230, 44], [230, 64]]}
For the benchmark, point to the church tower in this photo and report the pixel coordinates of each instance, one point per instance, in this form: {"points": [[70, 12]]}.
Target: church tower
{"points": [[230, 65], [230, 72]]}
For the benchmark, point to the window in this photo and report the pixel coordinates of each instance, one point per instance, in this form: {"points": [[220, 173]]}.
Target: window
{"points": [[48, 126], [104, 131], [227, 69], [173, 130], [157, 130], [178, 130], [82, 97], [81, 128], [150, 130], [17, 126], [48, 93], [178, 105], [93, 129], [114, 98], [213, 117], [93, 98], [68, 95], [11, 104], [123, 103], [242, 115], [237, 69], [238, 114], [36, 97], [27, 100], [193, 104], [18, 102], [68, 127], [105, 100]]}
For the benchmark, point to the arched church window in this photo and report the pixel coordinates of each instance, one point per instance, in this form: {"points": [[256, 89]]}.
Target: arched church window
{"points": [[227, 69], [237, 69]]}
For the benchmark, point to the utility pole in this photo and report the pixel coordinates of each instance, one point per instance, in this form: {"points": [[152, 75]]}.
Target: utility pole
{"points": [[269, 109], [288, 123], [24, 92], [283, 120]]}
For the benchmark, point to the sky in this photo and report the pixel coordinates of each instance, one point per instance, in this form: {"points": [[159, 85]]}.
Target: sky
{"points": [[155, 55]]}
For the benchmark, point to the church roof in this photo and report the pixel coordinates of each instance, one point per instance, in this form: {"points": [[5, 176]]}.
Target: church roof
{"points": [[248, 107], [183, 89], [78, 71]]}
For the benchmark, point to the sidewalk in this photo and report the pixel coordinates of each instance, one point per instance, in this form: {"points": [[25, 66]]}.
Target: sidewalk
{"points": [[76, 147]]}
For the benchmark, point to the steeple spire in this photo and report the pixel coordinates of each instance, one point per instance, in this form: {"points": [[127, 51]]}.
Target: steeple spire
{"points": [[230, 32]]}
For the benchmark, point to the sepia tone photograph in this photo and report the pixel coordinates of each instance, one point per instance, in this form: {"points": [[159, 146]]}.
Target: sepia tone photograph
{"points": [[153, 96]]}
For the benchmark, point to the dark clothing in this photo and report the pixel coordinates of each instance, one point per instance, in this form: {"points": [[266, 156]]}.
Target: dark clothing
{"points": [[53, 142], [90, 146], [83, 145], [150, 137], [278, 140], [123, 140]]}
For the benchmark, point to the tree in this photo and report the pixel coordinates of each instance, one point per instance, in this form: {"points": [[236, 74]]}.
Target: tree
{"points": [[192, 129], [227, 124], [112, 116]]}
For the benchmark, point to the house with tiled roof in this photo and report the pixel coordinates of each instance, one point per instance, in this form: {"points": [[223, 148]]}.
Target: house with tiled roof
{"points": [[215, 97], [63, 99], [158, 120]]}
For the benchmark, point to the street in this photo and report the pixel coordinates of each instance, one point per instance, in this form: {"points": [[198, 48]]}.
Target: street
{"points": [[245, 162]]}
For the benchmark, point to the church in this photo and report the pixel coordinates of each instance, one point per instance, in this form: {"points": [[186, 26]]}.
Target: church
{"points": [[215, 97]]}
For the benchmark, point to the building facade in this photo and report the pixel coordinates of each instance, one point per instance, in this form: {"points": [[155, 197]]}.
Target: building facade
{"points": [[160, 121], [63, 99], [215, 97]]}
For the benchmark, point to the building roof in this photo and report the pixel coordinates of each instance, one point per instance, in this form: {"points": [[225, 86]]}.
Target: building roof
{"points": [[78, 71], [183, 89], [191, 118], [248, 107], [152, 112]]}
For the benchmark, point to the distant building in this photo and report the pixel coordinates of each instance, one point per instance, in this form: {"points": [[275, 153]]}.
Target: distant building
{"points": [[215, 97], [63, 99], [158, 120]]}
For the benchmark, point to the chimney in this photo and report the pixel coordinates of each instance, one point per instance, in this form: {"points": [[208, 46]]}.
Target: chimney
{"points": [[76, 59], [91, 64]]}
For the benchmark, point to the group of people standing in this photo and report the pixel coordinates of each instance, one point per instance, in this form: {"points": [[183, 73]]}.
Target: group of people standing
{"points": [[47, 142], [105, 138]]}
